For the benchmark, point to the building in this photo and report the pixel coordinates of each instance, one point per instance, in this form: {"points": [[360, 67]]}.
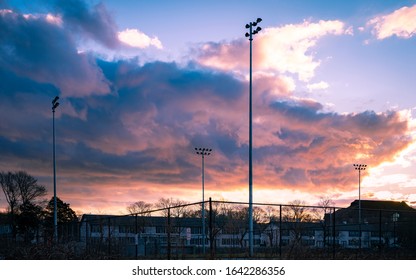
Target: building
{"points": [[5, 226], [147, 235], [384, 223]]}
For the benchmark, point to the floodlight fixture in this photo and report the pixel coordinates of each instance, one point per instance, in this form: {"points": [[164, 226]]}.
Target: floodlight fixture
{"points": [[55, 105], [55, 100]]}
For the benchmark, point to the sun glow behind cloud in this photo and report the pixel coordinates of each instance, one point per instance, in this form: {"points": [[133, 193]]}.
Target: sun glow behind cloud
{"points": [[286, 49]]}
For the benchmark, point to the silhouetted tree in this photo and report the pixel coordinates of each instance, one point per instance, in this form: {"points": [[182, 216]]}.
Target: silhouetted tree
{"points": [[270, 215], [65, 216], [325, 204], [141, 210], [29, 189], [28, 220], [140, 207], [23, 195], [296, 212], [12, 197], [176, 207]]}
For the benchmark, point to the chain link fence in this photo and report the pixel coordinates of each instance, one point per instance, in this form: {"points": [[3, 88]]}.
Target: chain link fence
{"points": [[279, 232]]}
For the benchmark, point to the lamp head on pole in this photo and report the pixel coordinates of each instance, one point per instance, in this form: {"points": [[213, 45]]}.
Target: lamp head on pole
{"points": [[257, 30], [360, 166], [203, 151], [55, 100], [55, 103]]}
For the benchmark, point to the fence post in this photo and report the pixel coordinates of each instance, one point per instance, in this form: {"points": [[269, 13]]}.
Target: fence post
{"points": [[87, 237], [136, 239], [280, 231], [109, 237], [211, 236], [379, 230], [169, 244], [325, 229], [333, 233]]}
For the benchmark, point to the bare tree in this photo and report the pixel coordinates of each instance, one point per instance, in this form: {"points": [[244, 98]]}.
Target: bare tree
{"points": [[270, 214], [296, 214], [22, 194], [236, 222], [176, 206], [325, 204], [28, 187], [10, 190], [140, 208], [296, 211], [258, 215], [12, 197], [269, 217]]}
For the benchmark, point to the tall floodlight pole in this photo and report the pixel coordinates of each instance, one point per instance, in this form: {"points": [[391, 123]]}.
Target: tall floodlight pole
{"points": [[249, 35], [359, 167], [55, 105], [203, 152]]}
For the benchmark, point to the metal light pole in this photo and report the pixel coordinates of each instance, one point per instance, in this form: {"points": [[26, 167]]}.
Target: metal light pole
{"points": [[359, 167], [55, 105], [249, 35], [203, 152]]}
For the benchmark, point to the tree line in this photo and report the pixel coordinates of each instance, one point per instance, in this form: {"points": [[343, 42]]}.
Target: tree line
{"points": [[28, 211]]}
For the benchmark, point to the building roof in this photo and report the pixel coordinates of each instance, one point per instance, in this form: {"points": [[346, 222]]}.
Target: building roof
{"points": [[115, 220], [373, 211], [155, 221], [382, 205]]}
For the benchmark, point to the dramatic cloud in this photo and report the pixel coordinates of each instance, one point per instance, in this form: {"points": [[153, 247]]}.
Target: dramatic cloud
{"points": [[401, 23], [89, 22], [284, 49], [42, 51], [319, 148], [141, 140], [127, 131]]}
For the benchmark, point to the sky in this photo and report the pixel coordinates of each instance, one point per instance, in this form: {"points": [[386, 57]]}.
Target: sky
{"points": [[142, 83]]}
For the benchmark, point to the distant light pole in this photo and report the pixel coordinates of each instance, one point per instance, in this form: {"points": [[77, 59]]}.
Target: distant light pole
{"points": [[203, 152], [55, 105], [359, 167], [249, 35]]}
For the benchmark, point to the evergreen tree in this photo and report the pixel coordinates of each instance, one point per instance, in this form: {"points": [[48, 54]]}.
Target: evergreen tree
{"points": [[65, 214], [66, 218]]}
